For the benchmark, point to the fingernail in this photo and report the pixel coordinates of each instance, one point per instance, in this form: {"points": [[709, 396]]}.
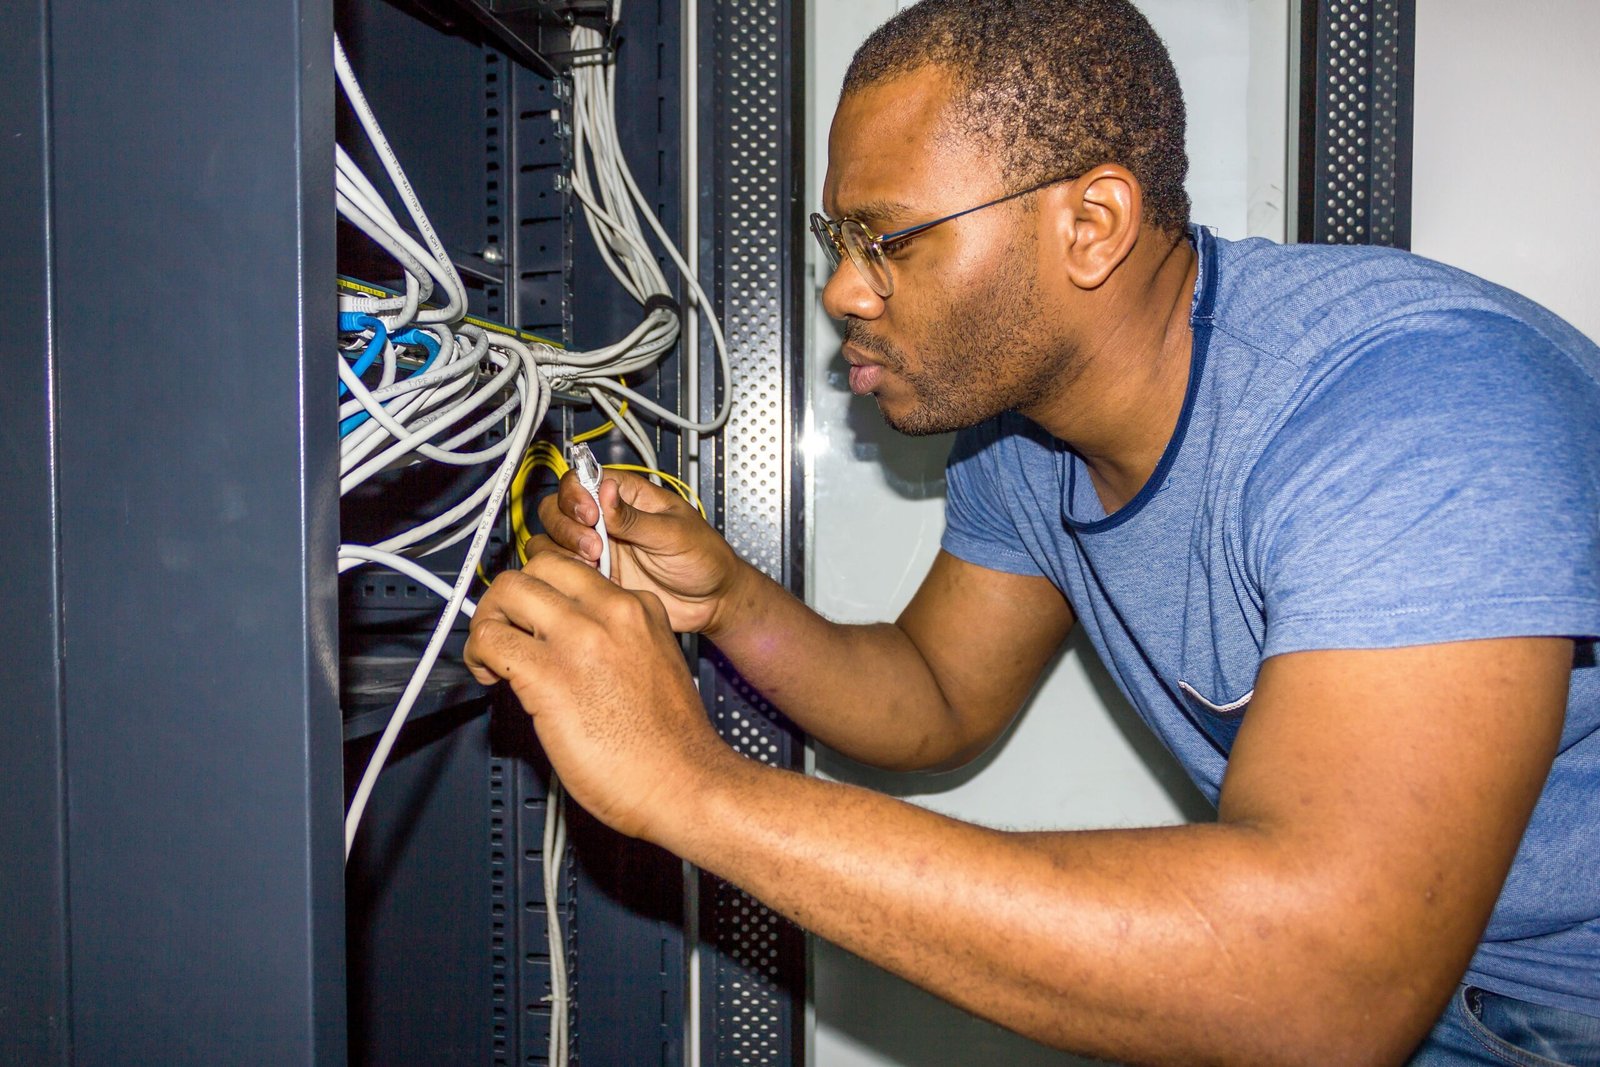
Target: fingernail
{"points": [[589, 545]]}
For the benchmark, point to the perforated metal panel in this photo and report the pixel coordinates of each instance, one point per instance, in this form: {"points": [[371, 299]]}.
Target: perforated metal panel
{"points": [[755, 984], [1355, 159], [754, 973], [753, 242]]}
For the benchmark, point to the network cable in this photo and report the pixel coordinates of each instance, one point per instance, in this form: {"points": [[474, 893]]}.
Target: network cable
{"points": [[422, 382], [588, 470]]}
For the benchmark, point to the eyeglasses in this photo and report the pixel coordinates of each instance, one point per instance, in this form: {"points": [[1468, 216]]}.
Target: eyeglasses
{"points": [[869, 251]]}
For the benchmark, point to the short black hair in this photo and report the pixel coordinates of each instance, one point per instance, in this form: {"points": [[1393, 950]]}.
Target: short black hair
{"points": [[1056, 86]]}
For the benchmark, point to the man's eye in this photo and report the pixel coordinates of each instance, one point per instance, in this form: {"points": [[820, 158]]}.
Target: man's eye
{"points": [[898, 247]]}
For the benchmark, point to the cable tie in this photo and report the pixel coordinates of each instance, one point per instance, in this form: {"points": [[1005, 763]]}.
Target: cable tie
{"points": [[602, 55], [662, 300]]}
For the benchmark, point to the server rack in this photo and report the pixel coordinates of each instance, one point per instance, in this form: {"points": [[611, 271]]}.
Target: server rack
{"points": [[178, 650]]}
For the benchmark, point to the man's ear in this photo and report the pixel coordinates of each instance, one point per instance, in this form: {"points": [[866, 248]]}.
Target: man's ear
{"points": [[1095, 222]]}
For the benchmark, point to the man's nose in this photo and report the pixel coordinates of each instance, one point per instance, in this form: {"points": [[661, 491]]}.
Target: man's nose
{"points": [[847, 294]]}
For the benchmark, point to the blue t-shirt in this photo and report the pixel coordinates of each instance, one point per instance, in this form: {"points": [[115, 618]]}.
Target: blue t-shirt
{"points": [[1375, 451]]}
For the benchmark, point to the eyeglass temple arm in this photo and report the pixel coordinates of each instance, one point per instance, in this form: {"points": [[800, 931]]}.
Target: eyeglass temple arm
{"points": [[910, 231]]}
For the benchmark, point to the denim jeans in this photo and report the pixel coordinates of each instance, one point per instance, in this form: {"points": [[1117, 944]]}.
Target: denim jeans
{"points": [[1489, 1030]]}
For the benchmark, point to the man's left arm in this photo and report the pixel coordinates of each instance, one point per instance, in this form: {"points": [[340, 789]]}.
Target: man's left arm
{"points": [[1373, 805]]}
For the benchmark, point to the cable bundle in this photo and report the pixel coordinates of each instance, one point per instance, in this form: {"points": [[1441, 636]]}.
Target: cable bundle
{"points": [[613, 207], [463, 381], [420, 382]]}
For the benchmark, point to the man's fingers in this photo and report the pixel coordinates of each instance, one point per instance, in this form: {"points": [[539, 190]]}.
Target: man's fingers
{"points": [[638, 492], [525, 600], [636, 511], [497, 650], [572, 534], [541, 543], [569, 576], [574, 500], [532, 616], [524, 608], [654, 608]]}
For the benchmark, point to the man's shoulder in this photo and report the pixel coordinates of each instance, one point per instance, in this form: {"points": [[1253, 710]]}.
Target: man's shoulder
{"points": [[1308, 304], [1005, 461]]}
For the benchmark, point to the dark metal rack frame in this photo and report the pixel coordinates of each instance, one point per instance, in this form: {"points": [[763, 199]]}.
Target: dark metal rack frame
{"points": [[1357, 72], [35, 980], [754, 963], [171, 675], [174, 880]]}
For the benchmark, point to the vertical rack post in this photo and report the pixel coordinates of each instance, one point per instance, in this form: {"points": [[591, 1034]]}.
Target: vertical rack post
{"points": [[179, 353], [753, 962], [1357, 59], [35, 983]]}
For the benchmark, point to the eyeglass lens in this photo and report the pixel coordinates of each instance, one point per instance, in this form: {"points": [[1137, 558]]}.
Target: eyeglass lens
{"points": [[850, 238], [867, 258], [822, 230]]}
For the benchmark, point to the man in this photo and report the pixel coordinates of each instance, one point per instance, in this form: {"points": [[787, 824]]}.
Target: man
{"points": [[1329, 515]]}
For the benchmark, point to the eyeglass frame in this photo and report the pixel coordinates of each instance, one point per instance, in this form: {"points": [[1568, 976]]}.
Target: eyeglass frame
{"points": [[829, 235]]}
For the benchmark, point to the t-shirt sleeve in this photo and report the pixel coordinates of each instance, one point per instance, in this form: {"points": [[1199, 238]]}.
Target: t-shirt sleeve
{"points": [[978, 526], [1442, 483]]}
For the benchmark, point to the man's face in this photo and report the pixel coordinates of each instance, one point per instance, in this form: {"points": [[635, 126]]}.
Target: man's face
{"points": [[968, 333]]}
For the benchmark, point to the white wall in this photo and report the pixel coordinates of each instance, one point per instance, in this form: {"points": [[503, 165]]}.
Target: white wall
{"points": [[1507, 146], [1078, 756]]}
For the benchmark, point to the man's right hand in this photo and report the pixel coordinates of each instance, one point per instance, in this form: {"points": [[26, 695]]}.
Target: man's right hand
{"points": [[928, 691], [659, 544]]}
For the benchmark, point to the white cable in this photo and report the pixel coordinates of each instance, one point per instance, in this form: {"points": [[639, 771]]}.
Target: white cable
{"points": [[410, 385], [690, 20], [419, 263], [457, 305], [464, 530], [691, 230], [605, 136], [386, 239], [475, 382], [502, 484], [353, 556], [555, 847], [411, 413], [407, 440], [447, 519], [631, 429], [407, 407], [723, 360], [588, 471]]}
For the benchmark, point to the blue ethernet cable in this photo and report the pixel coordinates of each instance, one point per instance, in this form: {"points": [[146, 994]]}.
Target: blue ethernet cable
{"points": [[355, 322], [426, 340]]}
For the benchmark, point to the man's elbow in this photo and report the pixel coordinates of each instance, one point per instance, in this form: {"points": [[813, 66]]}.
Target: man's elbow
{"points": [[1313, 1024], [947, 741], [1359, 1033], [952, 750], [1349, 1008]]}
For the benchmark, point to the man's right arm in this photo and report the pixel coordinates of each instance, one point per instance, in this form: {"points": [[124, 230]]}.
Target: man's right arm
{"points": [[932, 689]]}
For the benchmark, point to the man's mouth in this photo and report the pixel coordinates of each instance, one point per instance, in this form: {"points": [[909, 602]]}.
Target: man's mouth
{"points": [[865, 378]]}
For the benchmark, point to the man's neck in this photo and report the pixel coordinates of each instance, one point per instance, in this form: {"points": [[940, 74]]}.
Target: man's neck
{"points": [[1120, 413]]}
